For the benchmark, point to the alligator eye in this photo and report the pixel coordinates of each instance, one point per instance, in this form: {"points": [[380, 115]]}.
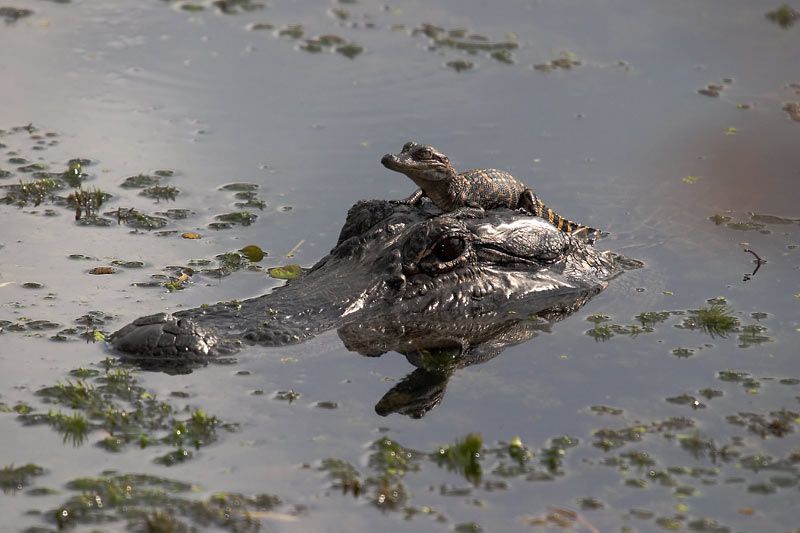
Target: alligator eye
{"points": [[408, 146], [449, 249], [549, 257], [424, 154]]}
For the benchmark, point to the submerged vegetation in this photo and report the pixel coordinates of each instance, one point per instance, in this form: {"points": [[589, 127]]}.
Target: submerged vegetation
{"points": [[228, 220], [138, 220], [784, 16], [161, 192], [715, 319], [34, 192], [152, 503], [567, 61], [13, 14], [42, 187], [487, 468], [110, 404], [463, 457], [13, 478], [466, 41], [141, 181], [86, 203]]}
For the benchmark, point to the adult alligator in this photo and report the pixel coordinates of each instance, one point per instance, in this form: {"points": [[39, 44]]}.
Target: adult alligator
{"points": [[401, 277]]}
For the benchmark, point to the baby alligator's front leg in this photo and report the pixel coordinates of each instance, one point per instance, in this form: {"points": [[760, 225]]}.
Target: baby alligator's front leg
{"points": [[415, 198]]}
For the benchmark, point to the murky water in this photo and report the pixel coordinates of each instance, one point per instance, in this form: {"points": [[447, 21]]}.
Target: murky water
{"points": [[621, 140]]}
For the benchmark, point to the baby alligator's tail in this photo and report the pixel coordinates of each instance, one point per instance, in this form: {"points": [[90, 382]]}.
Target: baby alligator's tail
{"points": [[531, 202]]}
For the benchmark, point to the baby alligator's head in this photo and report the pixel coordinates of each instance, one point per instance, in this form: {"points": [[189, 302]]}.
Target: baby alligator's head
{"points": [[420, 162]]}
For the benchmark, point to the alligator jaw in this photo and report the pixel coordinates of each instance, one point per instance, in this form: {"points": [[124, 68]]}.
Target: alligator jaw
{"points": [[399, 163]]}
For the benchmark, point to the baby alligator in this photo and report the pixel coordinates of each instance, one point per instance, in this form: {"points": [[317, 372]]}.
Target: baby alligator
{"points": [[473, 189]]}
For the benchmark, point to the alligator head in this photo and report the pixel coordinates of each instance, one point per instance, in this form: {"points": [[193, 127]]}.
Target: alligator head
{"points": [[393, 264]]}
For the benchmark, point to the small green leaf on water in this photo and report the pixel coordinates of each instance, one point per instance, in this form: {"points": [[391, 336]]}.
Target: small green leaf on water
{"points": [[785, 16], [459, 65], [239, 187], [253, 253], [285, 272], [730, 130], [97, 336], [691, 180], [349, 50], [797, 295]]}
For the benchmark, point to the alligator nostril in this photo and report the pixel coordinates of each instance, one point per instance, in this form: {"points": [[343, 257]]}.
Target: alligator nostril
{"points": [[396, 282], [387, 160], [409, 268]]}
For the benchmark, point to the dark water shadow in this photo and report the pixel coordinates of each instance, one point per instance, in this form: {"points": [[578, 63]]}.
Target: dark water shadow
{"points": [[439, 346]]}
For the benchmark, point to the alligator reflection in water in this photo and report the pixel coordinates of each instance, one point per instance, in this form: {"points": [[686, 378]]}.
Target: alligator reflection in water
{"points": [[440, 345], [404, 278]]}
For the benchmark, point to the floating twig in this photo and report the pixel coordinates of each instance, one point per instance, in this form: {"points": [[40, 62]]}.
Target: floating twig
{"points": [[291, 252], [758, 261]]}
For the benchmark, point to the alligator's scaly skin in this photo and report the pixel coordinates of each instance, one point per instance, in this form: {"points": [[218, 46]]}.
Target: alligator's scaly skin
{"points": [[401, 277], [488, 188]]}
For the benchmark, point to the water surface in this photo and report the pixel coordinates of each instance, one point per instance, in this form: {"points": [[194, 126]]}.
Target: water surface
{"points": [[622, 141]]}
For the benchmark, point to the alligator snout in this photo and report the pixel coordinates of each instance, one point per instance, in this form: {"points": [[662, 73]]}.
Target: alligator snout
{"points": [[388, 160]]}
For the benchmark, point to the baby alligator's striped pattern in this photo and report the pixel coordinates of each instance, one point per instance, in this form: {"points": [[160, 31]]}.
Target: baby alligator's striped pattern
{"points": [[477, 189]]}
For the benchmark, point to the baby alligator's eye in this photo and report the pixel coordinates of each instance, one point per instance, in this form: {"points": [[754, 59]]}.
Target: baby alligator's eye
{"points": [[449, 249], [424, 154], [408, 146]]}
